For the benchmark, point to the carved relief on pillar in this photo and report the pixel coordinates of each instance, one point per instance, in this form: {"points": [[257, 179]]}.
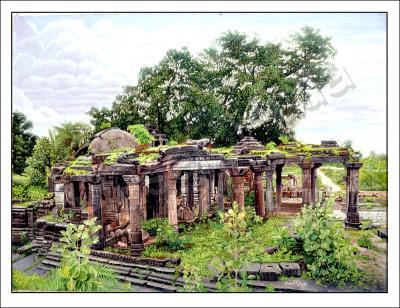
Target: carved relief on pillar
{"points": [[96, 212], [259, 190], [136, 241], [306, 167], [314, 188], [353, 218], [171, 177], [220, 189], [237, 175], [204, 192], [269, 190]]}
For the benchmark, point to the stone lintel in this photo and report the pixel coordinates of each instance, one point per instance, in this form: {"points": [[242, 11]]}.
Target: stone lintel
{"points": [[132, 179]]}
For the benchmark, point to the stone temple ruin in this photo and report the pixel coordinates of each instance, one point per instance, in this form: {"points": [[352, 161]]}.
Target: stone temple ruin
{"points": [[181, 183]]}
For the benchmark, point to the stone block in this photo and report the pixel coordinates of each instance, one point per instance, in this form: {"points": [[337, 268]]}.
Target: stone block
{"points": [[290, 269], [271, 250], [270, 271], [251, 269]]}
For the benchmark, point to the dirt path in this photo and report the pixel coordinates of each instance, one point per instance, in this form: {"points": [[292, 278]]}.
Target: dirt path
{"points": [[328, 182]]}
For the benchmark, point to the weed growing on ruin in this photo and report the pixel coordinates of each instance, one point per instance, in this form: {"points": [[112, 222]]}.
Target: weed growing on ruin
{"points": [[153, 224], [364, 239], [169, 239]]}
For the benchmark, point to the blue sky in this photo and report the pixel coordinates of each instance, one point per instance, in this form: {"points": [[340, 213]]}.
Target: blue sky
{"points": [[64, 64]]}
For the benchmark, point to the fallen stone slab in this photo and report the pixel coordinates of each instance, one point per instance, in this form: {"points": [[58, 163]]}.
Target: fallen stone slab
{"points": [[270, 271], [290, 269]]}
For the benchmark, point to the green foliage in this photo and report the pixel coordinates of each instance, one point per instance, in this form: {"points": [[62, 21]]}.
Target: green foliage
{"points": [[284, 139], [270, 145], [114, 154], [270, 288], [193, 280], [227, 90], [329, 256], [141, 134], [364, 239], [22, 142], [235, 251], [249, 199], [169, 239], [152, 225], [72, 135], [76, 273], [336, 174], [282, 239], [29, 193], [373, 174], [39, 163]]}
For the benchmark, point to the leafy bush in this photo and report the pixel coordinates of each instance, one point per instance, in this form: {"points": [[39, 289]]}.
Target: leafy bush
{"points": [[236, 250], [153, 224], [329, 256], [29, 193], [76, 273], [21, 180], [364, 239], [270, 145], [249, 199], [282, 239], [141, 133], [169, 239], [251, 217], [39, 163]]}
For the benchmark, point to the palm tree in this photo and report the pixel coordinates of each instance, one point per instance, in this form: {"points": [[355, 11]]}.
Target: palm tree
{"points": [[73, 134]]}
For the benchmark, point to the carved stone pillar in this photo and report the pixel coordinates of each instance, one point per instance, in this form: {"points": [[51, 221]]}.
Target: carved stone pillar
{"points": [[204, 192], [259, 191], [143, 199], [238, 186], [307, 179], [314, 188], [212, 186], [153, 206], [269, 193], [107, 203], [220, 190], [136, 241], [190, 191], [171, 177], [278, 183], [96, 212], [353, 218]]}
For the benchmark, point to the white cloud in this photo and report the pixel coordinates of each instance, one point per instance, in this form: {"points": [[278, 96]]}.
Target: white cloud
{"points": [[65, 65]]}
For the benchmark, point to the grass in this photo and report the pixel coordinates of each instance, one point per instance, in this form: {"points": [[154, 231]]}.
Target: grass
{"points": [[206, 237], [336, 174]]}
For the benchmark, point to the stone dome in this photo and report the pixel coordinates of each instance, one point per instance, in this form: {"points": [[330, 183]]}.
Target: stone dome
{"points": [[109, 139]]}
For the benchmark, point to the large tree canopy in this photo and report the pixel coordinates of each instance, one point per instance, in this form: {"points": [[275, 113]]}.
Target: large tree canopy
{"points": [[23, 141], [240, 86]]}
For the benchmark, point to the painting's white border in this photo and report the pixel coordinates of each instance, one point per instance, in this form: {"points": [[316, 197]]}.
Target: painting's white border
{"points": [[180, 300]]}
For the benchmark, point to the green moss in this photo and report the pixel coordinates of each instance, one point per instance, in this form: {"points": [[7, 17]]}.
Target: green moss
{"points": [[145, 158], [227, 151], [114, 154]]}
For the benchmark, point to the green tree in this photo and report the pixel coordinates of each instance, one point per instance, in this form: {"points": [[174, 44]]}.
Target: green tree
{"points": [[39, 163], [22, 142], [237, 87], [72, 135]]}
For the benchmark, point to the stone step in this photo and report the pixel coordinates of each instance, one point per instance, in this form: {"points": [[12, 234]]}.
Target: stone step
{"points": [[45, 267], [120, 269], [159, 280], [135, 281], [139, 273], [50, 263], [52, 257], [161, 269], [161, 287]]}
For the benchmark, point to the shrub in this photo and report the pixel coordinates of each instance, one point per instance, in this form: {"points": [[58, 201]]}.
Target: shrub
{"points": [[373, 174], [29, 193], [169, 239], [282, 239], [153, 224], [329, 256], [235, 252], [270, 145], [249, 199], [365, 239], [76, 273], [141, 133], [251, 217]]}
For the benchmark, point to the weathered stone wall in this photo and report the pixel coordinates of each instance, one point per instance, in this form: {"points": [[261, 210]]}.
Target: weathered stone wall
{"points": [[377, 216]]}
